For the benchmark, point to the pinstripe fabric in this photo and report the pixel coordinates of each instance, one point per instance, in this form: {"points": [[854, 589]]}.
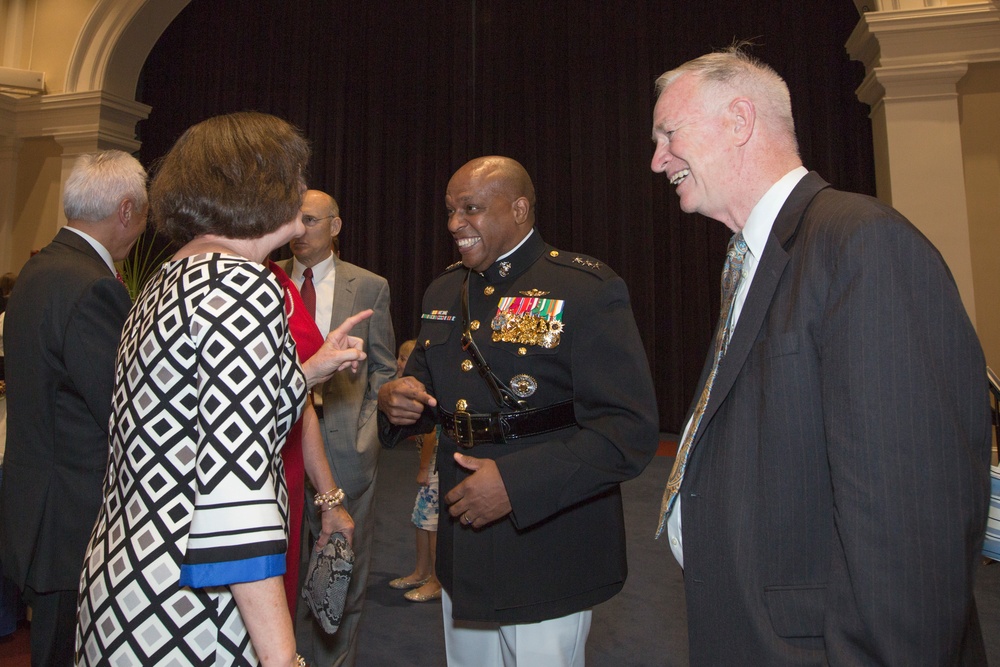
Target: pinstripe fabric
{"points": [[835, 497]]}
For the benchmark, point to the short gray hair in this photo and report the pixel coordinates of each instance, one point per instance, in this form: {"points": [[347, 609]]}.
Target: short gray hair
{"points": [[100, 181], [734, 71]]}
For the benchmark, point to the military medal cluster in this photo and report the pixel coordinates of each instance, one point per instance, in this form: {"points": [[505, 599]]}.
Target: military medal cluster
{"points": [[529, 320]]}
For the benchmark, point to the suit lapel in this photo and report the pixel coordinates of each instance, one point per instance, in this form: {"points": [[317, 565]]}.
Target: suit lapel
{"points": [[758, 301], [344, 293]]}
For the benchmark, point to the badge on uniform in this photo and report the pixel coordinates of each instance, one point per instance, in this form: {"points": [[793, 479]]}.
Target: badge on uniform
{"points": [[528, 320], [523, 385]]}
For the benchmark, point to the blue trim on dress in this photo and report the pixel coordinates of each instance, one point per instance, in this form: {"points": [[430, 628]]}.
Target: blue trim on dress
{"points": [[232, 572]]}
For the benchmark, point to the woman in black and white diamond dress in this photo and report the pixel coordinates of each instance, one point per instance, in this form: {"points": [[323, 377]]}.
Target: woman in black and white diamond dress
{"points": [[184, 565]]}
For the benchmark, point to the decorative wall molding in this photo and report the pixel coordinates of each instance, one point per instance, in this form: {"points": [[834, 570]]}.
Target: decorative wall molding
{"points": [[866, 6], [98, 119], [911, 82], [958, 33]]}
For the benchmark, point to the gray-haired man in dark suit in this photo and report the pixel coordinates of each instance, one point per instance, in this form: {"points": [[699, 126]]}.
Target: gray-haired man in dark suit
{"points": [[835, 489], [63, 325]]}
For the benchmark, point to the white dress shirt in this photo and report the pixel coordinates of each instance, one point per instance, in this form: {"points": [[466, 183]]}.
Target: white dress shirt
{"points": [[100, 249], [755, 232]]}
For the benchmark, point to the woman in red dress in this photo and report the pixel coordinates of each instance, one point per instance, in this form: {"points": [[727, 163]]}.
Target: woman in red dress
{"points": [[303, 452]]}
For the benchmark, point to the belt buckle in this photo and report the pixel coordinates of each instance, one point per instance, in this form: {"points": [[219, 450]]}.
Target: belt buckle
{"points": [[463, 429]]}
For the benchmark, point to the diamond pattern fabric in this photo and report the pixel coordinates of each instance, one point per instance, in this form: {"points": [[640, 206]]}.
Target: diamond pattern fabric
{"points": [[207, 388]]}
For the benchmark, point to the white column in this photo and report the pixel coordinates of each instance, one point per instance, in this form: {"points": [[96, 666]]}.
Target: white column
{"points": [[915, 53], [919, 157]]}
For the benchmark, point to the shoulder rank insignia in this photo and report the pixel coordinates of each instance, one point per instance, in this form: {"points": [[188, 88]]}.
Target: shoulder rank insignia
{"points": [[589, 263], [528, 321], [452, 267]]}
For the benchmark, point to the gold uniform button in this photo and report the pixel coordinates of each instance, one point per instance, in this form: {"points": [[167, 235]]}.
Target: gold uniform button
{"points": [[474, 325], [522, 351], [489, 290], [461, 405], [427, 343], [554, 253], [467, 365]]}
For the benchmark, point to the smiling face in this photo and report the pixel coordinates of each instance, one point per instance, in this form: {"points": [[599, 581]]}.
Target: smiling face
{"points": [[487, 216], [692, 148]]}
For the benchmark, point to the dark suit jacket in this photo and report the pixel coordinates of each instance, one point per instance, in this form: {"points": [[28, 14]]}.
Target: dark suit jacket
{"points": [[835, 498], [62, 329], [350, 400]]}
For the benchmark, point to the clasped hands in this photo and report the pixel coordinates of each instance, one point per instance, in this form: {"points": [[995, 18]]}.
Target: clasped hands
{"points": [[481, 498], [339, 351]]}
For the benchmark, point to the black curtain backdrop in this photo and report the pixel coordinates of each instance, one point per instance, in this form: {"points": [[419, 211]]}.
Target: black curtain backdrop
{"points": [[396, 95]]}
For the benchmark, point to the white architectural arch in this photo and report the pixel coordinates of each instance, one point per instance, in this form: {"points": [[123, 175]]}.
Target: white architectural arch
{"points": [[42, 135], [114, 43]]}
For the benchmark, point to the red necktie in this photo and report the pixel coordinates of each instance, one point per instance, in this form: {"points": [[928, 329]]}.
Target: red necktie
{"points": [[308, 292]]}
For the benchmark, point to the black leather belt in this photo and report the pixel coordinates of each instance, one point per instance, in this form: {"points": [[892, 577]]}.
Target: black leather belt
{"points": [[469, 430]]}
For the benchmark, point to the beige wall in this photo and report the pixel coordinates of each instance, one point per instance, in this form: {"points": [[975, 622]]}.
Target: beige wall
{"points": [[37, 199], [979, 108], [45, 40], [51, 47]]}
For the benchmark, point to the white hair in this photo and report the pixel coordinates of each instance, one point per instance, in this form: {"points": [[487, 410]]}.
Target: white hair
{"points": [[100, 181], [734, 72]]}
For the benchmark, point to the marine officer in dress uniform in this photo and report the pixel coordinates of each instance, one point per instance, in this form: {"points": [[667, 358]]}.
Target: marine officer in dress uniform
{"points": [[530, 359]]}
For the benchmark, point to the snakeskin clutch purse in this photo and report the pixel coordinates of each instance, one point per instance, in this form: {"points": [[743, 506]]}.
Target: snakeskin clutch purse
{"points": [[325, 588]]}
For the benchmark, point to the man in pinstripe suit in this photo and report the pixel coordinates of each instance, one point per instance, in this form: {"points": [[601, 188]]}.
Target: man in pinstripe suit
{"points": [[834, 495]]}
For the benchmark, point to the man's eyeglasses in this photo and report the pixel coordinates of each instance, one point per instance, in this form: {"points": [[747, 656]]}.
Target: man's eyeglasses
{"points": [[309, 221]]}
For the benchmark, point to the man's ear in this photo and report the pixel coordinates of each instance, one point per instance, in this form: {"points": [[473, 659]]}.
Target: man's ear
{"points": [[744, 115], [126, 211], [335, 226], [522, 208]]}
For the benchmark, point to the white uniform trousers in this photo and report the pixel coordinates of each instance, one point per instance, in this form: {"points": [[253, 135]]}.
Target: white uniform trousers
{"points": [[558, 642]]}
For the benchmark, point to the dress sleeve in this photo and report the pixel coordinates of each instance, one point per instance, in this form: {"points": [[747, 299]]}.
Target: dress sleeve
{"points": [[249, 392]]}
